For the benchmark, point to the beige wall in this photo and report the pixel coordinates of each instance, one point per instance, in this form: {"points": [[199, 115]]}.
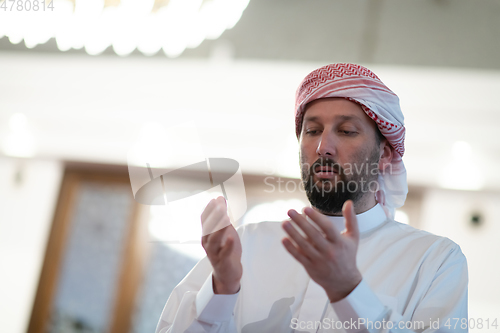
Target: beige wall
{"points": [[448, 213], [27, 205]]}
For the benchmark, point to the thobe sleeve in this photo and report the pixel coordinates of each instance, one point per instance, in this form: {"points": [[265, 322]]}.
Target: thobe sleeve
{"points": [[443, 308], [193, 306]]}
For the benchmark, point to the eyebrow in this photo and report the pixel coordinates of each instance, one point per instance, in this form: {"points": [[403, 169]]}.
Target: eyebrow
{"points": [[342, 117]]}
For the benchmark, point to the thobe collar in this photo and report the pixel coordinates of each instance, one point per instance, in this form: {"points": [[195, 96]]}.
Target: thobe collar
{"points": [[368, 220]]}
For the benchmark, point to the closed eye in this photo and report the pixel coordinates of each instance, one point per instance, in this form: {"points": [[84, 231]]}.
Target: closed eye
{"points": [[312, 132], [349, 133]]}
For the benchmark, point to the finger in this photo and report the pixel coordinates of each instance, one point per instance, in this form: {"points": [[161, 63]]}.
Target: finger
{"points": [[218, 211], [306, 247], [217, 219], [313, 234], [207, 210], [295, 252], [211, 205], [214, 242], [331, 232], [351, 222], [227, 247], [213, 224]]}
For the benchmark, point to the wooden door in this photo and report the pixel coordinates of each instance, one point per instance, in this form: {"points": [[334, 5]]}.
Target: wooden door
{"points": [[94, 256]]}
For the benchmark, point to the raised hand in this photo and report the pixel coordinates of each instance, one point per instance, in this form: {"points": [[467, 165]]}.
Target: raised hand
{"points": [[223, 247], [328, 256]]}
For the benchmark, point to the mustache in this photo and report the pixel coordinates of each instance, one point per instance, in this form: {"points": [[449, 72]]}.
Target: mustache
{"points": [[326, 162]]}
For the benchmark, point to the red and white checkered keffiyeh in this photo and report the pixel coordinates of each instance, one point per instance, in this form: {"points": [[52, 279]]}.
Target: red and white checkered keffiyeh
{"points": [[362, 86]]}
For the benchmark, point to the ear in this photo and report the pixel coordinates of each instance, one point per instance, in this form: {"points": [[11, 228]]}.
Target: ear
{"points": [[386, 153]]}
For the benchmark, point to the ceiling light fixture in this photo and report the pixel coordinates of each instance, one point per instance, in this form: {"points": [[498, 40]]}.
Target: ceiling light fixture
{"points": [[126, 25]]}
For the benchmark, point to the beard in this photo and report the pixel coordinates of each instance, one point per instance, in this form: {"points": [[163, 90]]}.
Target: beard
{"points": [[352, 183]]}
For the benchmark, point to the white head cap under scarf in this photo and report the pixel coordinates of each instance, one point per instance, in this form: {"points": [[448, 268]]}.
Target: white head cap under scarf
{"points": [[360, 85]]}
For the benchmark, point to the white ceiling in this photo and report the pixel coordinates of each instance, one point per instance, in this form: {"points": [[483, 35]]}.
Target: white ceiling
{"points": [[439, 33]]}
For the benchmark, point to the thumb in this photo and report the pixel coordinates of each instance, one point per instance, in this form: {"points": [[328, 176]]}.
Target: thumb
{"points": [[351, 222]]}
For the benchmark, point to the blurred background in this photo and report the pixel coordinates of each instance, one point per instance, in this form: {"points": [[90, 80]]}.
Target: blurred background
{"points": [[81, 82]]}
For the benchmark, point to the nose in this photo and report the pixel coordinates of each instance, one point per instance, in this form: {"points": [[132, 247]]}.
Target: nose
{"points": [[326, 145]]}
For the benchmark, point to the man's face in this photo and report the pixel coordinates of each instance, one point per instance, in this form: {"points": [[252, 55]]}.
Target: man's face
{"points": [[339, 154]]}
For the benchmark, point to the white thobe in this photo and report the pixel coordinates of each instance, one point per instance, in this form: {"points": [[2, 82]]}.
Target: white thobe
{"points": [[413, 279]]}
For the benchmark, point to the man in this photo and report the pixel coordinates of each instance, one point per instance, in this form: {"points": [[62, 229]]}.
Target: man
{"points": [[375, 276]]}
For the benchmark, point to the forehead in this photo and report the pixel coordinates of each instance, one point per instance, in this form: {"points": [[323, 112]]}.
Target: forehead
{"points": [[338, 109]]}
